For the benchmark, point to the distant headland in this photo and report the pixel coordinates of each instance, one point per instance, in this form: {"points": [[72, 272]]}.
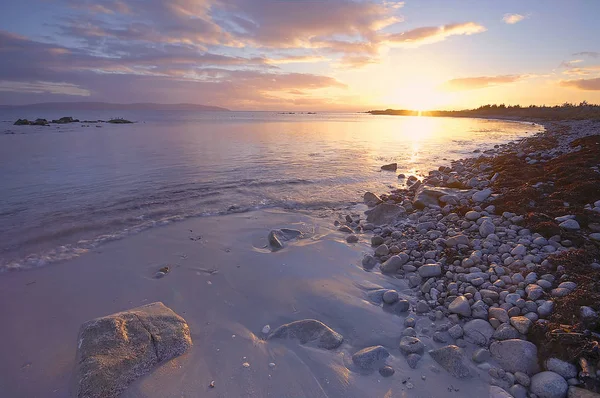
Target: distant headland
{"points": [[88, 106], [566, 111]]}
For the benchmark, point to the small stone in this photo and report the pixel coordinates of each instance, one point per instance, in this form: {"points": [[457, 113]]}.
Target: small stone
{"points": [[506, 332], [499, 313], [515, 355], [422, 307], [472, 215], [401, 306], [455, 331], [411, 345], [482, 195], [521, 323], [367, 357], [390, 297], [460, 306], [522, 379], [352, 238], [382, 250], [386, 371], [413, 360], [498, 392], [266, 329], [430, 270], [571, 225]]}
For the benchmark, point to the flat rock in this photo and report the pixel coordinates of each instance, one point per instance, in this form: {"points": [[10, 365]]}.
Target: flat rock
{"points": [[549, 385], [453, 360], [478, 331], [384, 213], [116, 349], [309, 331], [515, 355], [457, 240], [367, 357]]}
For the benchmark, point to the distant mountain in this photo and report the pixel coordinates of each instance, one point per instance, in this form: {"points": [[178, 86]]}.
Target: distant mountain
{"points": [[87, 106]]}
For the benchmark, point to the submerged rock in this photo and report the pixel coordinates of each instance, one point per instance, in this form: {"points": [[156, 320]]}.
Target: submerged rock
{"points": [[453, 360], [278, 236], [308, 331], [369, 356], [115, 350], [390, 167]]}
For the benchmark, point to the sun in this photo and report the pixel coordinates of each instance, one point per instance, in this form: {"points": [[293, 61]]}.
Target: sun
{"points": [[419, 95]]}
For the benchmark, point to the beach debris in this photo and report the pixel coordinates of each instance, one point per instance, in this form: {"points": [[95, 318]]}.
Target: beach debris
{"points": [[246, 364], [212, 384], [116, 349], [272, 365], [309, 331], [266, 329], [162, 272]]}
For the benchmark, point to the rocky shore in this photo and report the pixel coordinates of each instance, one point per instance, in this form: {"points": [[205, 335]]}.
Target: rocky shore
{"points": [[503, 247]]}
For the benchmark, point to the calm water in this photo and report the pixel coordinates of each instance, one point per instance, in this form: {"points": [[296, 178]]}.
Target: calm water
{"points": [[65, 190]]}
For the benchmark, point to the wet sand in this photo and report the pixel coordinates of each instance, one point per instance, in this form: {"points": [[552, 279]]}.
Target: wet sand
{"points": [[319, 277]]}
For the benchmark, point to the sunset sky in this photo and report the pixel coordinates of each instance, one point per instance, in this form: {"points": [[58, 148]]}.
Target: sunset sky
{"points": [[301, 54]]}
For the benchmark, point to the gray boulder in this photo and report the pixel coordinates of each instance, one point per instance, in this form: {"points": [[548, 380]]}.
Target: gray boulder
{"points": [[116, 349], [478, 331], [367, 357], [453, 360], [371, 199], [549, 385], [411, 345], [390, 167], [394, 263], [309, 331], [516, 355], [460, 306], [384, 213], [565, 369], [429, 270], [486, 228]]}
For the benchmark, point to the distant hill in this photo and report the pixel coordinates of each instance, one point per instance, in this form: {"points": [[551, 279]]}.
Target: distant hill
{"points": [[87, 106]]}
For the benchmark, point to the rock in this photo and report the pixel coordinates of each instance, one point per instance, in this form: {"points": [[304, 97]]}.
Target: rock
{"points": [[457, 240], [522, 379], [519, 250], [486, 228], [22, 122], [452, 359], [422, 307], [390, 167], [521, 323], [274, 241], [40, 122], [394, 263], [499, 313], [460, 306], [545, 309], [549, 385], [456, 332], [413, 360], [518, 391], [565, 369], [346, 229], [308, 331], [506, 332], [427, 197], [482, 195], [411, 345], [369, 262], [352, 238], [369, 356], [515, 355], [570, 225], [376, 240], [559, 292], [472, 215], [498, 392], [382, 250], [386, 371], [478, 331], [401, 306], [384, 213], [481, 355], [390, 297], [429, 270], [576, 392], [371, 199], [534, 292], [65, 120], [115, 350]]}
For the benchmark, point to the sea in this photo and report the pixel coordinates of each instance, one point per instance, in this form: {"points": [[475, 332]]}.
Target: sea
{"points": [[67, 189]]}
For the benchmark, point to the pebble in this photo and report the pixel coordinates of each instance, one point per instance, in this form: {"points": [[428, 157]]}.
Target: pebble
{"points": [[386, 371], [390, 297]]}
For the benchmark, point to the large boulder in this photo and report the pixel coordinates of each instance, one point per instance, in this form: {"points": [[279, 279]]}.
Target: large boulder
{"points": [[549, 385], [309, 331], [115, 350], [516, 355], [384, 213], [453, 360]]}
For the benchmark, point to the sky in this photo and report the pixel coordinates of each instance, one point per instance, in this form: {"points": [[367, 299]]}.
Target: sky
{"points": [[338, 55]]}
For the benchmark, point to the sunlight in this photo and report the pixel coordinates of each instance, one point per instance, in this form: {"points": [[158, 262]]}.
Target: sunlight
{"points": [[420, 95]]}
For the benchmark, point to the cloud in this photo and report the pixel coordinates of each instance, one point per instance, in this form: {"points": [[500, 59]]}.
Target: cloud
{"points": [[427, 35], [592, 54], [512, 19], [43, 87], [582, 84], [294, 59], [472, 83], [583, 71], [356, 61]]}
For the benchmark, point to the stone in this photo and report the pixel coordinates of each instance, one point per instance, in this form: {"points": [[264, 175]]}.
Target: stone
{"points": [[549, 385], [482, 195], [455, 331], [386, 371], [427, 197], [401, 306], [390, 296], [394, 263], [309, 331], [498, 392], [411, 345], [519, 250], [518, 391], [457, 240], [534, 292], [452, 359], [413, 360], [565, 369], [430, 270], [376, 240], [352, 238], [472, 215], [481, 355], [460, 306], [570, 225], [116, 349], [567, 285], [371, 199], [369, 262], [499, 313], [422, 307], [521, 323], [390, 167], [522, 379], [384, 213], [515, 355], [486, 228], [478, 331], [274, 241], [367, 357], [506, 332], [559, 292], [382, 250]]}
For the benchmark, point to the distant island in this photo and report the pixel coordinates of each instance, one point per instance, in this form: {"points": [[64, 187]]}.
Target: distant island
{"points": [[89, 106], [566, 111]]}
